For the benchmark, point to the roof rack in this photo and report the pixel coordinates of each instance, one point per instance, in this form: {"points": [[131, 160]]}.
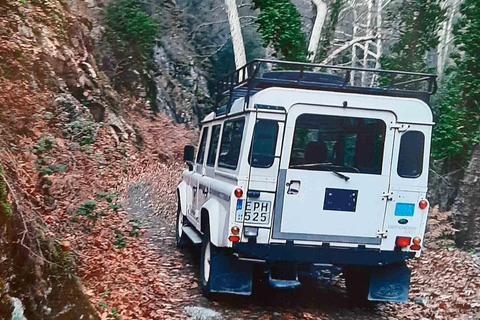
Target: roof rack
{"points": [[260, 74]]}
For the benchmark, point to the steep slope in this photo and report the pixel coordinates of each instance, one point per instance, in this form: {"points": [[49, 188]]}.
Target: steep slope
{"points": [[66, 140]]}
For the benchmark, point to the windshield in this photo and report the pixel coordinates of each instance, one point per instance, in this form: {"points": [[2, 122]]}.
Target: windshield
{"points": [[339, 144]]}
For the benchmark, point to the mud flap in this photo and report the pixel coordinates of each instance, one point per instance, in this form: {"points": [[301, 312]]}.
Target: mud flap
{"points": [[230, 275], [390, 283]]}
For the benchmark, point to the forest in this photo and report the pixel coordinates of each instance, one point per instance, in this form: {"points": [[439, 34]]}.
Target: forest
{"points": [[99, 97]]}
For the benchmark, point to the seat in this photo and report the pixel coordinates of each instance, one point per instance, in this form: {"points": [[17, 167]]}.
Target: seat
{"points": [[316, 152]]}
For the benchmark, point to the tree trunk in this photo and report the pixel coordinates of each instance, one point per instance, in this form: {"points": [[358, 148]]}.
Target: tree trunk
{"points": [[467, 204], [368, 33], [236, 32], [445, 40], [317, 27], [379, 33], [354, 47]]}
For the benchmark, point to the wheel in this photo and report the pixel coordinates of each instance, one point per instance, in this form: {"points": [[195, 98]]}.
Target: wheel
{"points": [[207, 254], [357, 280], [181, 238]]}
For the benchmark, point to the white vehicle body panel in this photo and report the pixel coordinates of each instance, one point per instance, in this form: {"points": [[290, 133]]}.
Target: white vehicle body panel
{"points": [[302, 219]]}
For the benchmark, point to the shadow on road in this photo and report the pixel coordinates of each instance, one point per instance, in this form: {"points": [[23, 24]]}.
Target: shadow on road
{"points": [[313, 300]]}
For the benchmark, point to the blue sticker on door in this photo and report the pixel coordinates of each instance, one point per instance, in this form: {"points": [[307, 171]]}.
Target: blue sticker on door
{"points": [[404, 209]]}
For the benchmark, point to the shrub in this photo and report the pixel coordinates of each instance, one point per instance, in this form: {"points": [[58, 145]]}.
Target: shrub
{"points": [[130, 31]]}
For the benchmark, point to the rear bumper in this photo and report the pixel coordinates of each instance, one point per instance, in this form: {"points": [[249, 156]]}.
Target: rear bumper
{"points": [[319, 254]]}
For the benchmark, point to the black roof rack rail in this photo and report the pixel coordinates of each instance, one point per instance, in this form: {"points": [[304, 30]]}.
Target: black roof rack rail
{"points": [[259, 74]]}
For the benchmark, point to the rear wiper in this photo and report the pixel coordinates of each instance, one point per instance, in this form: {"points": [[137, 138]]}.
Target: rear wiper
{"points": [[323, 166], [341, 175]]}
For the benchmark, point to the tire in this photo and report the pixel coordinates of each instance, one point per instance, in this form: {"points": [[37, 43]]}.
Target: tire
{"points": [[208, 252], [357, 281], [181, 238]]}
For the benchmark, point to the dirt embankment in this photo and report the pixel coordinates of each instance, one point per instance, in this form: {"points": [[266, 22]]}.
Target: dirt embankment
{"points": [[66, 140]]}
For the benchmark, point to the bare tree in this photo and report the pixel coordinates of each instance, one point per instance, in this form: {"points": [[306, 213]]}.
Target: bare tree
{"points": [[321, 6], [236, 33], [445, 41]]}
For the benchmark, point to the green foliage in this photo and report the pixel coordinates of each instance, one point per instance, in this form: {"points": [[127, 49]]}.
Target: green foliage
{"points": [[87, 209], [109, 197], [134, 232], [419, 21], [329, 31], [5, 208], [130, 31], [119, 241], [44, 163], [457, 116], [115, 206], [279, 24], [82, 131]]}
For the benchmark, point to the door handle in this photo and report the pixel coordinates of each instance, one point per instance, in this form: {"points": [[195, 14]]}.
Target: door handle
{"points": [[293, 187], [205, 191]]}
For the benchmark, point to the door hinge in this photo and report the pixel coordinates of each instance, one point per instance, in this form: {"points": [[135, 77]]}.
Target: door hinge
{"points": [[388, 195], [382, 234], [399, 127]]}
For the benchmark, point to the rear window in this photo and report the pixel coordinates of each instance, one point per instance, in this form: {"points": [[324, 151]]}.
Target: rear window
{"points": [[203, 142], [212, 150], [335, 143], [410, 158], [231, 143], [264, 142]]}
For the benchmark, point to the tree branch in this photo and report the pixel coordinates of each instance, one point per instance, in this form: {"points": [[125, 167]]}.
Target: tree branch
{"points": [[347, 45]]}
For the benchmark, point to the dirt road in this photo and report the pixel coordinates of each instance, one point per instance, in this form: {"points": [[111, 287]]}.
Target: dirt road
{"points": [[153, 208]]}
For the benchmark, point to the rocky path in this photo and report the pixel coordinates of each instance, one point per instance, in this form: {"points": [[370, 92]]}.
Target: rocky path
{"points": [[154, 212]]}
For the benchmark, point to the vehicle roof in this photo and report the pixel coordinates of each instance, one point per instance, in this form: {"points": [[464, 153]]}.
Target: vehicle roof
{"points": [[261, 74], [407, 110]]}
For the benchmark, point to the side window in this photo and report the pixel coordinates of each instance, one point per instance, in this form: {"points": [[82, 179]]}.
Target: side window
{"points": [[410, 158], [212, 150], [203, 142], [264, 143], [231, 143]]}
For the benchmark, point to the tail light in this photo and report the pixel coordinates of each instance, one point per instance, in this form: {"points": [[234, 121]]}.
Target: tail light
{"points": [[235, 230], [403, 242], [416, 244], [423, 204], [238, 193], [234, 238]]}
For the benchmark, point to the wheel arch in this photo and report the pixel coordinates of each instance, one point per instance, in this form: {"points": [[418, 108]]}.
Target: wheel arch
{"points": [[182, 197], [214, 213]]}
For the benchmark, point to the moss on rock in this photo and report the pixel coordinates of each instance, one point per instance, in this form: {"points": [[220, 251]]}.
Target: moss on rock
{"points": [[5, 208]]}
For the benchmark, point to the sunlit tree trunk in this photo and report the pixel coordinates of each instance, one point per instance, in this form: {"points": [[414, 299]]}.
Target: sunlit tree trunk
{"points": [[354, 48], [317, 28], [236, 33], [379, 33], [369, 33], [445, 39]]}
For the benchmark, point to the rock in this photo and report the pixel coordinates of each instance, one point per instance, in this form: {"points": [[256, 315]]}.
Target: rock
{"points": [[200, 313], [18, 310], [421, 301]]}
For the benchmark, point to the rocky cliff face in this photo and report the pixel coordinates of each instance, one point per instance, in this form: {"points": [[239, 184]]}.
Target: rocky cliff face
{"points": [[62, 124], [181, 84]]}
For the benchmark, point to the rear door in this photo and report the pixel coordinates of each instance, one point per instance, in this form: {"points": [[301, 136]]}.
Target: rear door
{"points": [[334, 175]]}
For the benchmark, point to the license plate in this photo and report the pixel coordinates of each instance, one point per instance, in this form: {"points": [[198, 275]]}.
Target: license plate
{"points": [[257, 212]]}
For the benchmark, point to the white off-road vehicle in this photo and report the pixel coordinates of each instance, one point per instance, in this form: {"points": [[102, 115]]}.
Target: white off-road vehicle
{"points": [[305, 172]]}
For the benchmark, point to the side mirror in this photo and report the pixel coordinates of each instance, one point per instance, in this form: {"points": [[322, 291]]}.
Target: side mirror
{"points": [[188, 155]]}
